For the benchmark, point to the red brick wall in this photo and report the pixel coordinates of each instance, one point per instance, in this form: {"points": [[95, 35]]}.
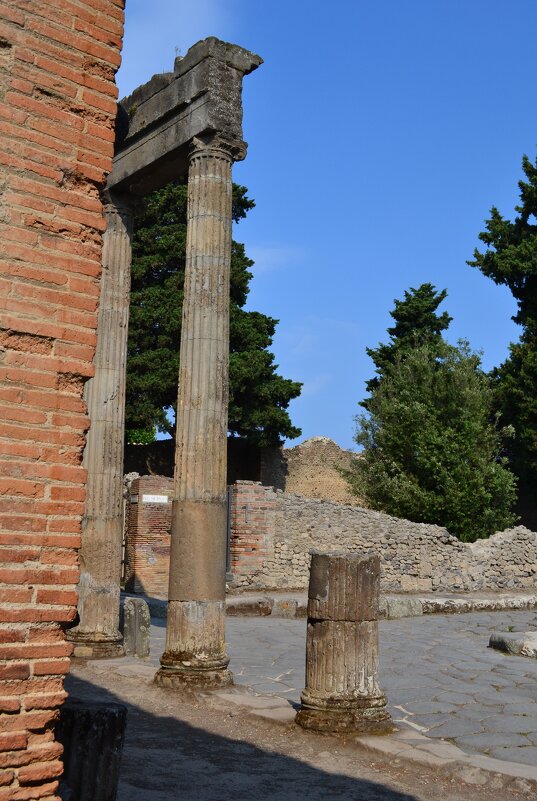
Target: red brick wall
{"points": [[57, 108], [252, 528], [147, 549]]}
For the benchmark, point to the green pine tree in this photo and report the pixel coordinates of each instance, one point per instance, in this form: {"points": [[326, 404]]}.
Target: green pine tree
{"points": [[431, 454], [416, 322], [259, 397], [510, 258]]}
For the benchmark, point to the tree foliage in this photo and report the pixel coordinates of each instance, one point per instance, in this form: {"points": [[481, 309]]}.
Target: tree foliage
{"points": [[416, 322], [510, 258], [431, 454], [259, 397]]}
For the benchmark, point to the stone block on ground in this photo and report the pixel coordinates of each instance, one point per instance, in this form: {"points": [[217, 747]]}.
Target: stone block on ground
{"points": [[92, 734], [516, 644], [136, 627]]}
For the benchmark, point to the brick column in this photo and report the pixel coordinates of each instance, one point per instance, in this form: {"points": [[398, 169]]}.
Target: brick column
{"points": [[195, 652], [148, 536], [97, 634], [253, 509]]}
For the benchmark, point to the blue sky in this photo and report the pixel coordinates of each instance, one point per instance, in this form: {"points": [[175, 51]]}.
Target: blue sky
{"points": [[379, 134]]}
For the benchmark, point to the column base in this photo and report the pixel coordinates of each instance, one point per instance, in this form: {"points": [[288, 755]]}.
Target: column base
{"points": [[175, 679], [363, 715], [87, 646]]}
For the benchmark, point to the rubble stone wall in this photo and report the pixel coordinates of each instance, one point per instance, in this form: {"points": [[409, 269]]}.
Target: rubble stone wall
{"points": [[414, 556], [57, 112]]}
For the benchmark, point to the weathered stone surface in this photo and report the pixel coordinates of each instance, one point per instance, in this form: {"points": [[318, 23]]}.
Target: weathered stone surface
{"points": [[249, 607], [92, 734], [202, 95], [516, 644], [136, 627], [342, 692], [415, 557], [97, 634], [313, 469], [197, 585]]}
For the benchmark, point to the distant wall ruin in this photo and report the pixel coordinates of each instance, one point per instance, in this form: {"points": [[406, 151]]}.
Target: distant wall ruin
{"points": [[312, 469], [272, 533]]}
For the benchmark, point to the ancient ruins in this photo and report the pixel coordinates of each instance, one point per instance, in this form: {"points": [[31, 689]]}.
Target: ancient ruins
{"points": [[182, 124]]}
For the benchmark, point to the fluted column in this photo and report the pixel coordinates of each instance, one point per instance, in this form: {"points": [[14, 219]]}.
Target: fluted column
{"points": [[195, 648], [342, 692], [102, 527]]}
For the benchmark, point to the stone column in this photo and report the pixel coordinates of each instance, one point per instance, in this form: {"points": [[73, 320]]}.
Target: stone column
{"points": [[342, 692], [195, 648], [97, 634]]}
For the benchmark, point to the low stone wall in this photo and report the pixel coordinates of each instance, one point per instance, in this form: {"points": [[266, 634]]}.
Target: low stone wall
{"points": [[415, 557]]}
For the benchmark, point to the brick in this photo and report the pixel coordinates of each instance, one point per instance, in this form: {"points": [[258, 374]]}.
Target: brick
{"points": [[48, 701], [45, 791], [50, 667], [28, 721], [62, 597], [36, 650], [9, 705], [17, 670], [13, 741], [39, 753], [15, 486], [35, 614], [6, 777], [19, 595], [12, 635], [55, 540], [32, 686], [38, 575], [39, 772]]}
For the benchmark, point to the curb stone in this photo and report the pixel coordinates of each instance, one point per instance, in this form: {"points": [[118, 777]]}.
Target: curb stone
{"points": [[404, 746], [392, 607]]}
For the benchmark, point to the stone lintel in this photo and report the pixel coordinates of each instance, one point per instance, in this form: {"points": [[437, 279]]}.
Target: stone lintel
{"points": [[160, 118]]}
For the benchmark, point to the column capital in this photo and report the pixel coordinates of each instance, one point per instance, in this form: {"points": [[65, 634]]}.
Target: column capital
{"points": [[218, 147], [118, 203]]}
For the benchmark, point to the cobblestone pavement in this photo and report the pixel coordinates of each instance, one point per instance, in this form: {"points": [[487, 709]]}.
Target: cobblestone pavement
{"points": [[440, 677]]}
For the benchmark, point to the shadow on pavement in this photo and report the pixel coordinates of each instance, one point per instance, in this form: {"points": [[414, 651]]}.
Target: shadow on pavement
{"points": [[166, 759]]}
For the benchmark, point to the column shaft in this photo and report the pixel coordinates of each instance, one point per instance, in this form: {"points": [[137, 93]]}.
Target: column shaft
{"points": [[195, 648], [342, 692], [102, 528]]}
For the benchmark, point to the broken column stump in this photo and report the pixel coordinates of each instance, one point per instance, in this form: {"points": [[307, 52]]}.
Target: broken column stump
{"points": [[92, 735], [136, 627], [342, 692]]}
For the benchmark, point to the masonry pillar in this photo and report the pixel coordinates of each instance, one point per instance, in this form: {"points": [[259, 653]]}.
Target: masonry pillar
{"points": [[97, 634], [195, 648], [342, 693]]}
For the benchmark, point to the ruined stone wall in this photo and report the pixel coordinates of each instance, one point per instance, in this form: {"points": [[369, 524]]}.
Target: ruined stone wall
{"points": [[312, 469], [414, 556], [147, 546], [57, 109]]}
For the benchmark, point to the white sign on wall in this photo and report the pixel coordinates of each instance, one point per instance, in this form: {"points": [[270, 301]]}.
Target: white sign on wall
{"points": [[154, 499]]}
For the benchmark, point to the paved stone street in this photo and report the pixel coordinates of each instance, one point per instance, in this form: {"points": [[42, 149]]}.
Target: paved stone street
{"points": [[440, 677]]}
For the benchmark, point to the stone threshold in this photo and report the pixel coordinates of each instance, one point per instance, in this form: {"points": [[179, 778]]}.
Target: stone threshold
{"points": [[392, 606]]}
